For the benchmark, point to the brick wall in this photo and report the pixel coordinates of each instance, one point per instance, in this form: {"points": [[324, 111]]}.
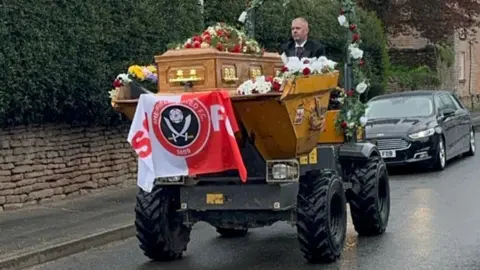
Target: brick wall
{"points": [[52, 162]]}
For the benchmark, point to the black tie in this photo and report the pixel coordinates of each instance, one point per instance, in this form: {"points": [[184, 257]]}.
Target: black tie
{"points": [[299, 52]]}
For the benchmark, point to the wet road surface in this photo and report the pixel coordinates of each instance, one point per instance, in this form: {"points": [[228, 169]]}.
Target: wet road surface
{"points": [[434, 224]]}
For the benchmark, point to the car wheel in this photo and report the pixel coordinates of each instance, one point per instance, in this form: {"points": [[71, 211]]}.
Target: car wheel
{"points": [[441, 159], [471, 150]]}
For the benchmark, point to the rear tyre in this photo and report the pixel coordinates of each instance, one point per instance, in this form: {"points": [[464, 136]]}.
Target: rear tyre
{"points": [[160, 230], [370, 202], [321, 216], [232, 233], [471, 151]]}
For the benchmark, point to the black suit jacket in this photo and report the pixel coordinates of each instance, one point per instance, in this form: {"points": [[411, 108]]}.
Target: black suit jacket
{"points": [[310, 49]]}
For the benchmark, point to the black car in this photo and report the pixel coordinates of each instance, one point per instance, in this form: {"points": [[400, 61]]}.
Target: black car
{"points": [[424, 127]]}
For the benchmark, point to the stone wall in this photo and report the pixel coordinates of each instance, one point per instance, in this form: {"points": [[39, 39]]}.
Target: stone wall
{"points": [[52, 162]]}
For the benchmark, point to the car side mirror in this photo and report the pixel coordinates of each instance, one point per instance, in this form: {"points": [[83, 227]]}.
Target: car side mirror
{"points": [[448, 112]]}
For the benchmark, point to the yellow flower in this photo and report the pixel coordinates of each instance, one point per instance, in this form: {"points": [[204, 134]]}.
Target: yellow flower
{"points": [[152, 68], [136, 71]]}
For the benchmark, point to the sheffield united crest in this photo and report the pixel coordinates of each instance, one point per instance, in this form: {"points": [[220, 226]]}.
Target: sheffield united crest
{"points": [[181, 128]]}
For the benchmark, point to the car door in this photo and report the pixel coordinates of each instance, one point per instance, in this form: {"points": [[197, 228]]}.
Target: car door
{"points": [[465, 123], [446, 122], [455, 125]]}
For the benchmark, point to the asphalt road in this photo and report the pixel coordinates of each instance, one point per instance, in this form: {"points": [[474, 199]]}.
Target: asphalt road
{"points": [[434, 224]]}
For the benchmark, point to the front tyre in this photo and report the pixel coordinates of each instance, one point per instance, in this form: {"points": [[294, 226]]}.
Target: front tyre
{"points": [[321, 216], [370, 200], [472, 148], [441, 159], [160, 229]]}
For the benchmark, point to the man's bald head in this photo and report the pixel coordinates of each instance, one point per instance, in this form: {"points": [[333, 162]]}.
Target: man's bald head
{"points": [[299, 29]]}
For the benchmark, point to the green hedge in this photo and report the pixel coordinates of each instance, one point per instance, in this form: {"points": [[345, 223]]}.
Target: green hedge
{"points": [[272, 28], [59, 58]]}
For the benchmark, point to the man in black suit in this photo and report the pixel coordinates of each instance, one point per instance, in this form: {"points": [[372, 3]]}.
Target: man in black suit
{"points": [[301, 46]]}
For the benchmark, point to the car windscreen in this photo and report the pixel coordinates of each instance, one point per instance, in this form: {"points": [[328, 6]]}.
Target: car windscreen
{"points": [[400, 107]]}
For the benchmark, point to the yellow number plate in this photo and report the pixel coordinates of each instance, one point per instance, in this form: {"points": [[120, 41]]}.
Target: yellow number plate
{"points": [[214, 198]]}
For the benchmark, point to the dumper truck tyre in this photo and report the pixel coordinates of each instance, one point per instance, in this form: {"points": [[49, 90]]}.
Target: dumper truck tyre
{"points": [[160, 230], [370, 200], [321, 216], [232, 233]]}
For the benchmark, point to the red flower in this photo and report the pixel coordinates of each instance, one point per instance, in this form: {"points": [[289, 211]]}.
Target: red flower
{"points": [[269, 79], [197, 44], [188, 45], [220, 47], [343, 124], [197, 38], [353, 27], [349, 93], [237, 48], [355, 37], [361, 62], [276, 86], [207, 38], [117, 83], [284, 69], [306, 71], [306, 61], [220, 33]]}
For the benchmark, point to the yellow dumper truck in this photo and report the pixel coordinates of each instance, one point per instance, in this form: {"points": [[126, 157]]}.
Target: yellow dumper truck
{"points": [[300, 168]]}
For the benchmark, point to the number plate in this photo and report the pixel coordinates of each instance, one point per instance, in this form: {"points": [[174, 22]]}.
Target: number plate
{"points": [[215, 198], [388, 153]]}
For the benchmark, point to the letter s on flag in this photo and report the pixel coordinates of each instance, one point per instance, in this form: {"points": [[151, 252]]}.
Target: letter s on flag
{"points": [[141, 143]]}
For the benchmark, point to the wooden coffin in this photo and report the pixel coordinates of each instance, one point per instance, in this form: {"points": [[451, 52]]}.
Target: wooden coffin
{"points": [[208, 68]]}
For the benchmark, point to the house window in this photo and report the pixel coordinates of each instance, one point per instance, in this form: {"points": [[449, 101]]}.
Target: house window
{"points": [[461, 66]]}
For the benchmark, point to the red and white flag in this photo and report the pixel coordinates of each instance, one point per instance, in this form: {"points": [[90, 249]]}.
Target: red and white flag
{"points": [[184, 134]]}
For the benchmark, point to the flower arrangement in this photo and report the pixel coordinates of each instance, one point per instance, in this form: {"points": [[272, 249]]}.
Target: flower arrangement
{"points": [[143, 75], [352, 111], [260, 85], [293, 66], [224, 38]]}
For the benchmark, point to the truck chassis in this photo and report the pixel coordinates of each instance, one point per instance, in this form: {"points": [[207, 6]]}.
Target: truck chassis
{"points": [[315, 202]]}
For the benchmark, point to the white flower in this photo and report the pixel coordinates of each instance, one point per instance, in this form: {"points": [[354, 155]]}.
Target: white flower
{"points": [[211, 31], [331, 64], [342, 20], [363, 120], [242, 17], [294, 64], [320, 63], [361, 87], [261, 85], [355, 52], [205, 45], [246, 88], [124, 78], [349, 115], [351, 124], [245, 49]]}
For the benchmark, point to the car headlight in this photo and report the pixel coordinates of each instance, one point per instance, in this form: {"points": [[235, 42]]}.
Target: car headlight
{"points": [[422, 134]]}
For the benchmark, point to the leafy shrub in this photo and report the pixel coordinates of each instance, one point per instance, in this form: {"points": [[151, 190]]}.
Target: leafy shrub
{"points": [[59, 58], [414, 78]]}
